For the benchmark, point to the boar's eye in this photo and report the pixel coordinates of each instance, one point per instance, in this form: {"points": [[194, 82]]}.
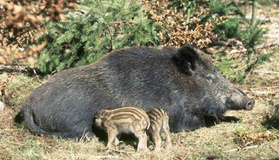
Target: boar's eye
{"points": [[210, 77]]}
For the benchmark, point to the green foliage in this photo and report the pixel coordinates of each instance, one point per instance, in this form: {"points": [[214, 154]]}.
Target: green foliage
{"points": [[225, 66], [228, 67], [222, 8], [235, 26], [263, 57], [229, 28], [252, 35], [97, 28], [240, 76], [219, 9]]}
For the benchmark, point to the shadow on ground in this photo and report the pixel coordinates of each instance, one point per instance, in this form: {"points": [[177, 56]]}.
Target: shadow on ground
{"points": [[272, 120], [211, 121], [271, 123]]}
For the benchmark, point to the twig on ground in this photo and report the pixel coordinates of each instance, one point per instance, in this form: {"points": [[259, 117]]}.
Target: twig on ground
{"points": [[232, 150], [37, 77], [2, 106], [100, 157], [245, 148], [250, 147], [265, 72]]}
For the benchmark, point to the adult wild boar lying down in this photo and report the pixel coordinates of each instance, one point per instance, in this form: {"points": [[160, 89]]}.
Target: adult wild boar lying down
{"points": [[182, 81]]}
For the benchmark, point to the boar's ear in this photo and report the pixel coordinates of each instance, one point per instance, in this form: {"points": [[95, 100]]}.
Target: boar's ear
{"points": [[186, 59]]}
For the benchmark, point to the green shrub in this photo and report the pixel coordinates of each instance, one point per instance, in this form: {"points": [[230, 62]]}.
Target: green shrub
{"points": [[220, 9], [234, 24], [229, 28], [97, 28], [252, 35]]}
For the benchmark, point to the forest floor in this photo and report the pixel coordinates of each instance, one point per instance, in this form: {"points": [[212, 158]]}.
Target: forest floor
{"points": [[255, 136]]}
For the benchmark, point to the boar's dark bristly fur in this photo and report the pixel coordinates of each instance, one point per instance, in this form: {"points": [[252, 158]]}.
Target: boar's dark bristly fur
{"points": [[183, 82]]}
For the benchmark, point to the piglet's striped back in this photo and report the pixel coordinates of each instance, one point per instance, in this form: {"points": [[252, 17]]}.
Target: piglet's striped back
{"points": [[157, 117], [127, 115]]}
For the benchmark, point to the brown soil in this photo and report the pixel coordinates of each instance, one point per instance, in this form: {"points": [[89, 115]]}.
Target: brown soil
{"points": [[7, 118]]}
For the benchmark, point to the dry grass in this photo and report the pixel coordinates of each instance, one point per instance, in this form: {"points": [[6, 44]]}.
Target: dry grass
{"points": [[217, 141]]}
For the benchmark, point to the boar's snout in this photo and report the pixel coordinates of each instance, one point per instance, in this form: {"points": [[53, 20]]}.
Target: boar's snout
{"points": [[238, 100], [250, 104]]}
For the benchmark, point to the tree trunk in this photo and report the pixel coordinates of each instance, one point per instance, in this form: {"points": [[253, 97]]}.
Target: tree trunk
{"points": [[254, 12]]}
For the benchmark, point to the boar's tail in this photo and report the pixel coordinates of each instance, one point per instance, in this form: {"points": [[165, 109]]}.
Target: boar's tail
{"points": [[30, 122]]}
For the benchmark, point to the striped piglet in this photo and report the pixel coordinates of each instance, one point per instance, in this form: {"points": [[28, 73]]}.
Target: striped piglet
{"points": [[123, 120], [159, 123]]}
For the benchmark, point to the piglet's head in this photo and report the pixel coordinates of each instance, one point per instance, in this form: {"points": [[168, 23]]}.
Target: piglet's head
{"points": [[99, 118]]}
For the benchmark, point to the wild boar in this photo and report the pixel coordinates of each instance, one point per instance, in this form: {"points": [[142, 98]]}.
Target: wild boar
{"points": [[123, 120], [159, 123], [181, 81]]}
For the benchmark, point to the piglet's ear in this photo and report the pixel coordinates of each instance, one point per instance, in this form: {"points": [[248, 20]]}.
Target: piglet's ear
{"points": [[101, 114], [186, 59]]}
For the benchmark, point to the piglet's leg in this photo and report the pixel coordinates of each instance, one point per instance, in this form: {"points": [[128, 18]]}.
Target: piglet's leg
{"points": [[141, 135], [116, 140], [156, 138], [154, 133], [167, 133], [112, 133]]}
